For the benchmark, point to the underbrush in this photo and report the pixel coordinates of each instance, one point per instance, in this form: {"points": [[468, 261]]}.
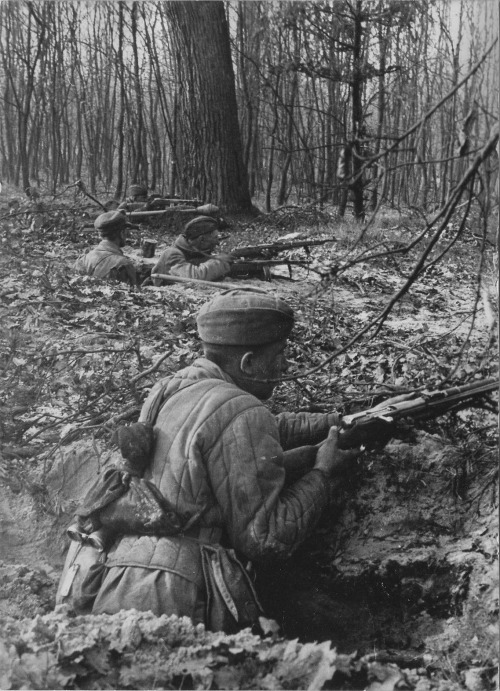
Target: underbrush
{"points": [[78, 356]]}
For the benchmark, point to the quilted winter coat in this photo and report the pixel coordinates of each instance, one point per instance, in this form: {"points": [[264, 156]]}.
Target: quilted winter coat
{"points": [[107, 261], [219, 454], [182, 260]]}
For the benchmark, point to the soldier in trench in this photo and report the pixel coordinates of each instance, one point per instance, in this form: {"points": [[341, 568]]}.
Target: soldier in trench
{"points": [[191, 255], [233, 470], [136, 200], [107, 259]]}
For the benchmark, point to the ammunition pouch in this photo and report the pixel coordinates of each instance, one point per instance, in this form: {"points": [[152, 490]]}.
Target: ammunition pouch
{"points": [[82, 575], [232, 602]]}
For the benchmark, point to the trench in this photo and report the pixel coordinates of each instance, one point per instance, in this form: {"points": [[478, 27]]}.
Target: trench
{"points": [[366, 611], [389, 571]]}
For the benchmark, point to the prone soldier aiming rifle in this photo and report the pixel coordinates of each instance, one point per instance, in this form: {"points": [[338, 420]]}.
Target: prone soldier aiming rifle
{"points": [[245, 262]]}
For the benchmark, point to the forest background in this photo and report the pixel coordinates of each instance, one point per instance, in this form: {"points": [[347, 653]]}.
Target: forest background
{"points": [[385, 102], [371, 123]]}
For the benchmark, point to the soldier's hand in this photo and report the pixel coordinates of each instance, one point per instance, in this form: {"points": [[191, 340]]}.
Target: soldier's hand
{"points": [[329, 458]]}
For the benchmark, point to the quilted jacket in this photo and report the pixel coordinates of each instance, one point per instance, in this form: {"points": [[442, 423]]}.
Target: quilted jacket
{"points": [[219, 453], [107, 261], [182, 260]]}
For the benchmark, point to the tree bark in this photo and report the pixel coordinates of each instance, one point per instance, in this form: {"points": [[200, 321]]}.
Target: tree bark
{"points": [[210, 115], [357, 116]]}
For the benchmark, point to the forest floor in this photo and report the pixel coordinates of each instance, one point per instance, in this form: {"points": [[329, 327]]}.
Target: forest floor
{"points": [[398, 585]]}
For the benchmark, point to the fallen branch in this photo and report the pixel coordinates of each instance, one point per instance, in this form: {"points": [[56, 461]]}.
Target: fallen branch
{"points": [[126, 413], [19, 451], [151, 369], [199, 281], [80, 352], [79, 184], [100, 424]]}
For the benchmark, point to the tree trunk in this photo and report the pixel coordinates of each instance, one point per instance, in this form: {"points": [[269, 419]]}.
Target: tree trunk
{"points": [[288, 135], [357, 117], [210, 116], [381, 100], [140, 170], [121, 117]]}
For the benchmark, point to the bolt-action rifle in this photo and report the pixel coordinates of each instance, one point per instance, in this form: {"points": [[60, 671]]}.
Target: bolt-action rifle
{"points": [[272, 249], [204, 210], [373, 428], [175, 217], [156, 202], [255, 261]]}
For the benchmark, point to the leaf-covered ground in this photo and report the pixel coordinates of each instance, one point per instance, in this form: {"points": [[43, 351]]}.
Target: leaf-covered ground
{"points": [[402, 572], [135, 650]]}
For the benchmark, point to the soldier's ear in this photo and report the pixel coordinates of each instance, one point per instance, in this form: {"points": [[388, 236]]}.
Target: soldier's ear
{"points": [[247, 363]]}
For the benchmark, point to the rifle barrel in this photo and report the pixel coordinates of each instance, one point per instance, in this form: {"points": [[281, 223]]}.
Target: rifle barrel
{"points": [[161, 212], [252, 250], [428, 402], [168, 200], [271, 262], [481, 386]]}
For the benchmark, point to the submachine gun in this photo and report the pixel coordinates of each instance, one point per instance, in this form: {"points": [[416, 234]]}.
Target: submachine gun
{"points": [[255, 261], [373, 428]]}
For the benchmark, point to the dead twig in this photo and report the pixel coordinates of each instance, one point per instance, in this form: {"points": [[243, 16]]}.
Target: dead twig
{"points": [[200, 282], [84, 190], [132, 410], [80, 352], [152, 369]]}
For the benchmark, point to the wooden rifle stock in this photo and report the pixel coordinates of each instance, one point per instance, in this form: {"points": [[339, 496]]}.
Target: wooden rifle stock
{"points": [[373, 428]]}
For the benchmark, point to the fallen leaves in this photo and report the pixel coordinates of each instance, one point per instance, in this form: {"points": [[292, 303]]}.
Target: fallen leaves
{"points": [[133, 650]]}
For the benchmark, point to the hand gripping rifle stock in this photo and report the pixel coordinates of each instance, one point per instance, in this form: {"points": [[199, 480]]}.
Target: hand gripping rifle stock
{"points": [[374, 427]]}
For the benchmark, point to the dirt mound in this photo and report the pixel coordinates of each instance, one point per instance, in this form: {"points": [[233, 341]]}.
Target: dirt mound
{"points": [[26, 592]]}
